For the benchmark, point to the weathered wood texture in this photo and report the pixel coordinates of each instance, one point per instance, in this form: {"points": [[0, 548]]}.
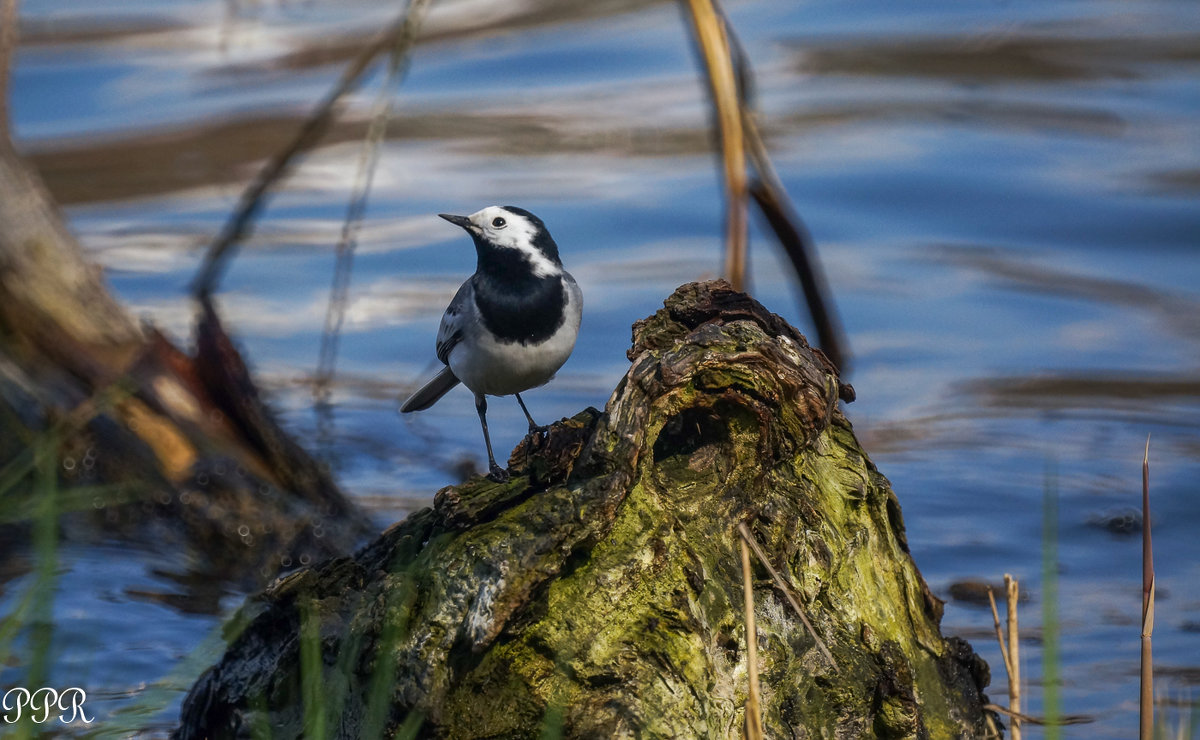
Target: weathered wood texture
{"points": [[600, 593]]}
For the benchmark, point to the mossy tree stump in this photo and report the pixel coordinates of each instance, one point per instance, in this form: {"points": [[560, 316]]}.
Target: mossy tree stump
{"points": [[599, 592]]}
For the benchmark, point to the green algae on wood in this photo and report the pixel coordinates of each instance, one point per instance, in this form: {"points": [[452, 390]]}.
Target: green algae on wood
{"points": [[599, 592]]}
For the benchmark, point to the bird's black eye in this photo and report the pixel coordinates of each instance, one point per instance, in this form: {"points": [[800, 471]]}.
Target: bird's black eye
{"points": [[498, 222]]}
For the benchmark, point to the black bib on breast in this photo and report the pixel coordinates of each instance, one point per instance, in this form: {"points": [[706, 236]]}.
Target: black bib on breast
{"points": [[515, 304]]}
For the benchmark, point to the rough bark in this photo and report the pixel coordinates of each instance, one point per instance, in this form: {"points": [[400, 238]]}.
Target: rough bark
{"points": [[167, 448], [599, 592]]}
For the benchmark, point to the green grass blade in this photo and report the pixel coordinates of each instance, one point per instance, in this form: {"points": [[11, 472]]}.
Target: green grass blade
{"points": [[1051, 660], [312, 674]]}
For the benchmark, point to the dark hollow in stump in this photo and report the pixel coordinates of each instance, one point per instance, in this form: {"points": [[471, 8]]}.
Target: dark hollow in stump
{"points": [[599, 592]]}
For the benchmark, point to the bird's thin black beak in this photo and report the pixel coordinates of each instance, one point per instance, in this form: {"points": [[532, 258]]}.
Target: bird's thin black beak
{"points": [[462, 221]]}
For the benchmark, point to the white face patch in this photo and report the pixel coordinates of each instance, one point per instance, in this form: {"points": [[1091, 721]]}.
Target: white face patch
{"points": [[516, 233]]}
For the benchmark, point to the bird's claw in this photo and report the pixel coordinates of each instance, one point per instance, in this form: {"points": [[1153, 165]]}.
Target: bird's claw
{"points": [[541, 431], [497, 474]]}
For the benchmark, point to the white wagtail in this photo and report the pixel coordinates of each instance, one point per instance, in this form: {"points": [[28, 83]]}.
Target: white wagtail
{"points": [[512, 324]]}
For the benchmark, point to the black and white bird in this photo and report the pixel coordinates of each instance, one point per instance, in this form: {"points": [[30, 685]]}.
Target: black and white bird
{"points": [[512, 324]]}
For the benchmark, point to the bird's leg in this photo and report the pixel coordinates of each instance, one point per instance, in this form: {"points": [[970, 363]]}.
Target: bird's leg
{"points": [[495, 472], [533, 425]]}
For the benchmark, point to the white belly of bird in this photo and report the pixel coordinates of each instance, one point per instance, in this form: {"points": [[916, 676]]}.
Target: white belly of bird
{"points": [[503, 368]]}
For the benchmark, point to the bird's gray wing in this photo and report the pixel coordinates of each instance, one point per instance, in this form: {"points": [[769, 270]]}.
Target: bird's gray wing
{"points": [[450, 332], [573, 289]]}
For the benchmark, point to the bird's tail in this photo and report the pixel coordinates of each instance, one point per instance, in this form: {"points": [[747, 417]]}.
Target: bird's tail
{"points": [[430, 392]]}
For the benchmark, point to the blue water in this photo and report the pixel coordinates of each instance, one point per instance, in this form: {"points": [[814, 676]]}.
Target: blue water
{"points": [[1000, 192]]}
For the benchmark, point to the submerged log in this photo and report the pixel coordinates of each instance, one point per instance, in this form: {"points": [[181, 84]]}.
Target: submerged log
{"points": [[173, 451], [599, 592]]}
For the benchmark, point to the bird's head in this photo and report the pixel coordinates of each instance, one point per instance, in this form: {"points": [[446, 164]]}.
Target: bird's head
{"points": [[499, 229]]}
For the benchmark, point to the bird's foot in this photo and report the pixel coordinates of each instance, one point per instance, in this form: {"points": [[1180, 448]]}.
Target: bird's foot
{"points": [[538, 430], [497, 474]]}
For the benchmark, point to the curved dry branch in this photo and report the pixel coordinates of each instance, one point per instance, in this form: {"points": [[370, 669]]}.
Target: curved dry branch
{"points": [[399, 37], [732, 93], [714, 46]]}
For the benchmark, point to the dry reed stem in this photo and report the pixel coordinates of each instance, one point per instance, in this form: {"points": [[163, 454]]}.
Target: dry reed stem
{"points": [[1000, 635], [1012, 591], [718, 60], [993, 730], [783, 586], [1146, 703], [8, 48], [768, 192], [753, 729], [400, 35], [772, 200]]}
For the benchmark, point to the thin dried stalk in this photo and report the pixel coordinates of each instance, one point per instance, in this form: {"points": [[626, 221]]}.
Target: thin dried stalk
{"points": [[8, 47], [783, 586], [753, 710], [400, 36], [368, 159], [1000, 636], [1012, 591], [718, 60], [767, 189], [772, 200], [769, 194], [1146, 723]]}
